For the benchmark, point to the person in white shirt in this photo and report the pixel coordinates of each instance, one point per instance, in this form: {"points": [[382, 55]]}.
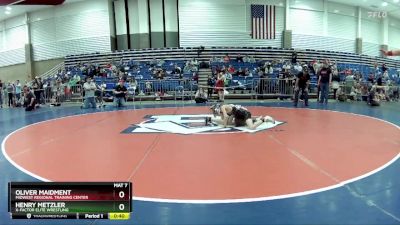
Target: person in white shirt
{"points": [[90, 87], [18, 90]]}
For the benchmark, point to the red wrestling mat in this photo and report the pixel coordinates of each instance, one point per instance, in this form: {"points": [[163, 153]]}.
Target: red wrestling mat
{"points": [[313, 151]]}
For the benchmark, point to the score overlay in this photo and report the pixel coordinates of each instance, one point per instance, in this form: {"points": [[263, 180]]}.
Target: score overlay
{"points": [[70, 200]]}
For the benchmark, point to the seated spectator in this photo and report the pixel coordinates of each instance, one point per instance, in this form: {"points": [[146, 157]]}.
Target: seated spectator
{"points": [[373, 98], [177, 70], [119, 94], [247, 72], [241, 72], [384, 67], [187, 68], [268, 68], [195, 77], [194, 62], [297, 68], [355, 93], [227, 59], [148, 87], [29, 98], [252, 59], [371, 78], [200, 96], [246, 58], [239, 58], [231, 69], [341, 95]]}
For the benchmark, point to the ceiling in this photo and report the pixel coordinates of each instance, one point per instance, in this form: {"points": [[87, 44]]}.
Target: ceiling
{"points": [[32, 5]]}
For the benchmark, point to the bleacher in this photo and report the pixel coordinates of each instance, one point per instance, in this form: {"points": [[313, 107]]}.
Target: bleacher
{"points": [[171, 56]]}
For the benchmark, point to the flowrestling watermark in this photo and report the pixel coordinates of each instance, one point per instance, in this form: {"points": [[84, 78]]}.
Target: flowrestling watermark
{"points": [[376, 14]]}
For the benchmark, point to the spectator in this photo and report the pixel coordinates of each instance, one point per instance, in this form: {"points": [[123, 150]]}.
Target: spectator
{"points": [[246, 59], [373, 98], [200, 96], [210, 83], [177, 70], [294, 57], [120, 93], [384, 67], [379, 80], [355, 92], [1, 94], [268, 68], [231, 69], [90, 87], [227, 59], [325, 79], [58, 92], [194, 62], [195, 77], [302, 84], [335, 82], [18, 90], [29, 98], [36, 89], [371, 78], [239, 58], [10, 92], [297, 68], [252, 59]]}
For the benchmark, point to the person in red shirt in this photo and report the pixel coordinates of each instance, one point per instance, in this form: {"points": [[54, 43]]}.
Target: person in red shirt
{"points": [[231, 70]]}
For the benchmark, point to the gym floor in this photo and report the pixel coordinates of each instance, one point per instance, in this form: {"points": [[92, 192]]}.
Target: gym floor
{"points": [[326, 164]]}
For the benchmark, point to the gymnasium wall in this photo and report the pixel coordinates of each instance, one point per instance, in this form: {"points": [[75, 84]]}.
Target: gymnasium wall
{"points": [[106, 25], [75, 28], [315, 24]]}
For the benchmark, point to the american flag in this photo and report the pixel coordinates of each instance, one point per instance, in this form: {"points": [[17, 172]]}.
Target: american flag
{"points": [[263, 21]]}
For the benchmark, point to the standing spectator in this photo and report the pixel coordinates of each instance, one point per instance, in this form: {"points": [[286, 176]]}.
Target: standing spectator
{"points": [[40, 100], [36, 89], [90, 87], [120, 93], [384, 67], [1, 94], [29, 98], [10, 92], [335, 82], [210, 83], [18, 90], [302, 84], [325, 79], [294, 57]]}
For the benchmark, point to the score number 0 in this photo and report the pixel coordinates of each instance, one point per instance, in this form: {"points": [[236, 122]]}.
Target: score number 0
{"points": [[121, 194]]}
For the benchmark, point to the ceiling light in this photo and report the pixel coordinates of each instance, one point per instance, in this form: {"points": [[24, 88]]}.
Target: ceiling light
{"points": [[384, 3], [8, 8], [8, 12], [336, 11], [396, 1], [281, 4]]}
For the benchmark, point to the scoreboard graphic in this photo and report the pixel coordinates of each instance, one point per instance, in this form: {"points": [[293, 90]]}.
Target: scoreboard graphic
{"points": [[70, 200]]}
